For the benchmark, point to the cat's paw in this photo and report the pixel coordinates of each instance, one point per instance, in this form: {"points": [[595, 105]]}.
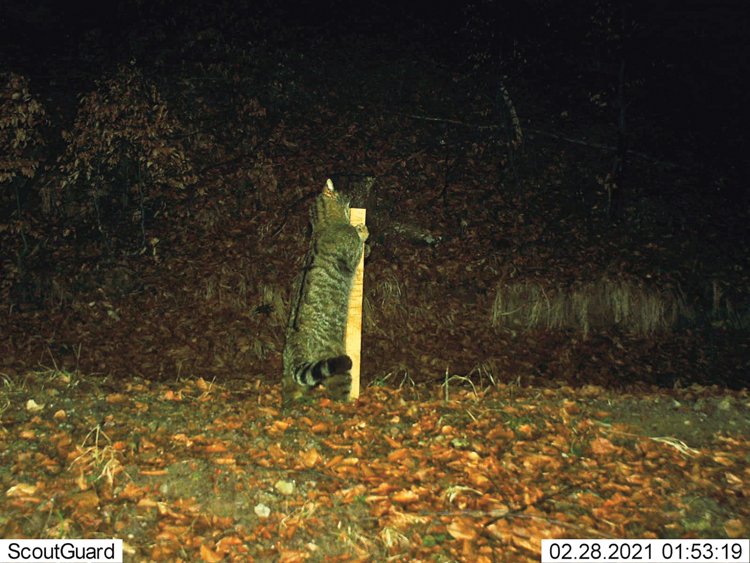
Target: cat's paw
{"points": [[292, 395], [362, 232], [339, 386]]}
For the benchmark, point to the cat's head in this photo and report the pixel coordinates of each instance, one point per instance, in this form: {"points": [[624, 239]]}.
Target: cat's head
{"points": [[330, 207]]}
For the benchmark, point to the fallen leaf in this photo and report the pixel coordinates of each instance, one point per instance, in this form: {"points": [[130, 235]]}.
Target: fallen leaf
{"points": [[21, 490], [284, 487], [116, 398], [310, 458], [131, 491], [33, 406], [320, 428], [735, 528], [602, 446], [86, 500], [405, 497], [209, 555], [462, 529]]}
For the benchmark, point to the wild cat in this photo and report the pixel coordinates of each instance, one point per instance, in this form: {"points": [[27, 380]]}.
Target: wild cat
{"points": [[315, 352]]}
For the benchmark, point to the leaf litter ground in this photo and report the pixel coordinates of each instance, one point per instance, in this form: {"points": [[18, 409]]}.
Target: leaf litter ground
{"points": [[194, 470]]}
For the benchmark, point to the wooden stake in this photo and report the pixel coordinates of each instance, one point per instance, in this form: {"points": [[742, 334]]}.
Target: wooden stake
{"points": [[353, 339]]}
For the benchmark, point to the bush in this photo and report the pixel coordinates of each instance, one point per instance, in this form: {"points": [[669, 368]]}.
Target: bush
{"points": [[124, 162], [22, 121]]}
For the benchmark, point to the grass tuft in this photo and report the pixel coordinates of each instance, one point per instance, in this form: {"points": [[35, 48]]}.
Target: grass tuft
{"points": [[595, 305]]}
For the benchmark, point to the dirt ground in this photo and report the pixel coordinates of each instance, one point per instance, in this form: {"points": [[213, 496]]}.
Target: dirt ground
{"points": [[198, 470]]}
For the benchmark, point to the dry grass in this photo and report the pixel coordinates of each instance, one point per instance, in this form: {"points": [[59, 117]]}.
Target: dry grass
{"points": [[398, 377], [256, 326], [268, 305], [232, 287], [727, 309], [273, 298], [594, 305], [384, 306], [96, 459], [229, 285], [485, 373]]}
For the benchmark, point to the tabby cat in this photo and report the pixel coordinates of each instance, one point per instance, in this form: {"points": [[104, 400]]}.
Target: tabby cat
{"points": [[314, 352]]}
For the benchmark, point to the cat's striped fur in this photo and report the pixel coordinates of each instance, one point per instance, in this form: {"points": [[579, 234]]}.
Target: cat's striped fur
{"points": [[314, 352]]}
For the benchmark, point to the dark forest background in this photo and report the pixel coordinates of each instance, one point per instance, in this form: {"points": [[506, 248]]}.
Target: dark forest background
{"points": [[558, 191]]}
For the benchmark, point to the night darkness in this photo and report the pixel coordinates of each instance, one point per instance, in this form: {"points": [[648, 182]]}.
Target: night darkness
{"points": [[595, 152], [558, 269], [639, 107]]}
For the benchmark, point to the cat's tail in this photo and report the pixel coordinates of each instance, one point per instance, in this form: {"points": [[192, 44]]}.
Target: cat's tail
{"points": [[312, 373]]}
